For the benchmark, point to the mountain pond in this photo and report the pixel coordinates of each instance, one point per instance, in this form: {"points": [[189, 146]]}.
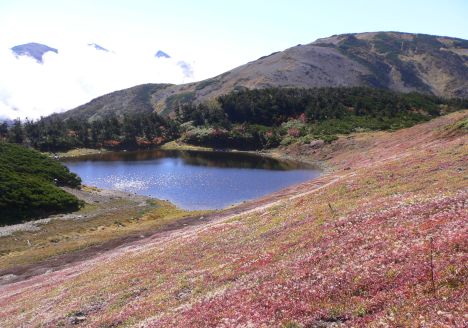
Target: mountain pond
{"points": [[192, 180]]}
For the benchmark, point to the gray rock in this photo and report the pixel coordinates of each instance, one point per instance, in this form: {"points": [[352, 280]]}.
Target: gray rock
{"points": [[314, 144]]}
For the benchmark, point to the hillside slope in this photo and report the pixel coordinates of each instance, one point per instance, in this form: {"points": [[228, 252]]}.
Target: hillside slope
{"points": [[352, 248], [396, 61]]}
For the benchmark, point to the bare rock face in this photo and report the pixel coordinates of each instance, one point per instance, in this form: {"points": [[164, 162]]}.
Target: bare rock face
{"points": [[401, 62]]}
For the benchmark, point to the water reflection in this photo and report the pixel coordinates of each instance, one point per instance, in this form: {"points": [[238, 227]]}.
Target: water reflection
{"points": [[198, 158], [190, 179]]}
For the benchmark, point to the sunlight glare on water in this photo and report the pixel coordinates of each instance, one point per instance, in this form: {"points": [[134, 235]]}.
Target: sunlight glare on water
{"points": [[189, 179]]}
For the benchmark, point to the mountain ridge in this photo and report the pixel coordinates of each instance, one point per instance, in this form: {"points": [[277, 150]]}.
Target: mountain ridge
{"points": [[402, 62]]}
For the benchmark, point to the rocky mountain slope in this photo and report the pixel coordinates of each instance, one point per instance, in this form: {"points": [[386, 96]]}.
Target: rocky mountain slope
{"points": [[380, 240], [397, 61]]}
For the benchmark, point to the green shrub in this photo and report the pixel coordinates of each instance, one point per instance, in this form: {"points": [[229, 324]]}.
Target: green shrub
{"points": [[287, 140], [328, 138], [28, 185]]}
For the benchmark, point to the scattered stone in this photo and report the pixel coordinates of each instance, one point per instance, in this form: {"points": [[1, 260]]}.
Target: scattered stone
{"points": [[314, 144], [327, 324], [76, 318], [7, 277]]}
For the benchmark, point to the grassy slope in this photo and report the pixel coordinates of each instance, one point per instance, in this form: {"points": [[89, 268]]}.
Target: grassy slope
{"points": [[352, 247], [106, 219]]}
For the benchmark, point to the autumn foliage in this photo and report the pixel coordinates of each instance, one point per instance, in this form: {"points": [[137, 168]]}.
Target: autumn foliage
{"points": [[352, 248]]}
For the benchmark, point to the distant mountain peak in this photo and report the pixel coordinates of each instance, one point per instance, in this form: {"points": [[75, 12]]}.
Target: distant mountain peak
{"points": [[161, 54], [98, 47], [33, 50]]}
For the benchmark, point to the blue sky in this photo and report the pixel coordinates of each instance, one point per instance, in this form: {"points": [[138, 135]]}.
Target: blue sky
{"points": [[213, 36], [238, 30]]}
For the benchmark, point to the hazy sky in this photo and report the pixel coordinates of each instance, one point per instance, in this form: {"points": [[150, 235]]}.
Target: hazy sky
{"points": [[212, 36]]}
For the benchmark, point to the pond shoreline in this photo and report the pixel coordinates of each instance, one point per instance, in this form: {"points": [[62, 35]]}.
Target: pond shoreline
{"points": [[274, 153], [63, 260], [191, 179], [92, 194]]}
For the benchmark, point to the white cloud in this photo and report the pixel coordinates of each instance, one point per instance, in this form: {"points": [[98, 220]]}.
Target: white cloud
{"points": [[76, 75]]}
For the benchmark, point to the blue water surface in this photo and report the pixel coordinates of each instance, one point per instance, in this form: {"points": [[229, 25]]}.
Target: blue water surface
{"points": [[190, 179]]}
